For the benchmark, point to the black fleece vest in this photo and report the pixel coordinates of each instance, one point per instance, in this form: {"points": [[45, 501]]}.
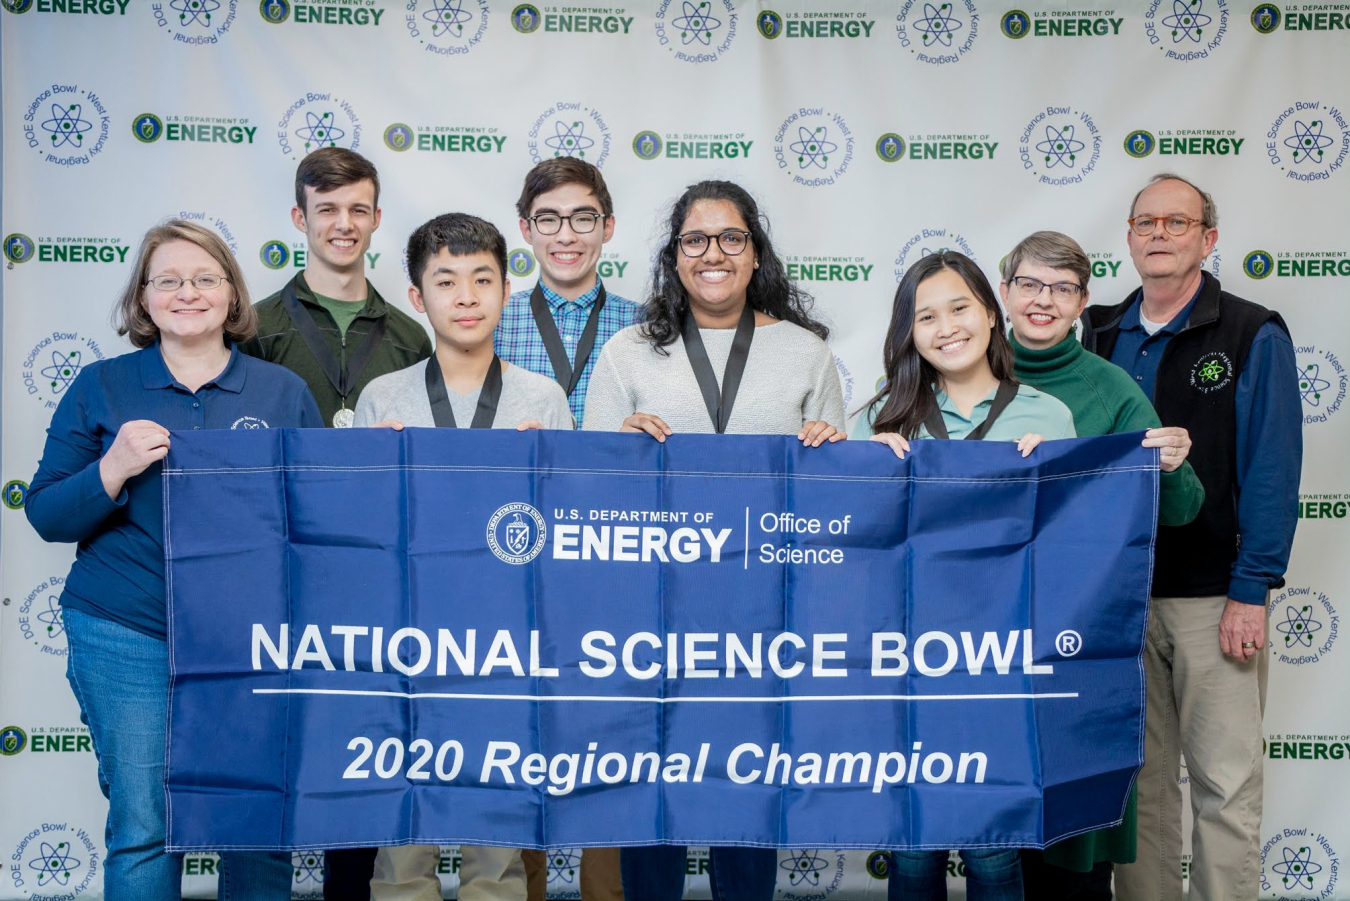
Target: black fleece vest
{"points": [[1196, 388]]}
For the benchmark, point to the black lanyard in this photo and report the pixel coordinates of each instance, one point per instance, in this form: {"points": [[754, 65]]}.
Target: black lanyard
{"points": [[488, 396], [719, 404], [342, 378], [1004, 396], [567, 373]]}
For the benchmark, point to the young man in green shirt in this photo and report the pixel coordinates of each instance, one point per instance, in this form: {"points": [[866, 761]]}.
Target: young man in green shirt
{"points": [[328, 324], [331, 327]]}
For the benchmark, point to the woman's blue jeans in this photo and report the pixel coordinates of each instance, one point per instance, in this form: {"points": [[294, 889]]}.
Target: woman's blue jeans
{"points": [[993, 874], [121, 680], [656, 873]]}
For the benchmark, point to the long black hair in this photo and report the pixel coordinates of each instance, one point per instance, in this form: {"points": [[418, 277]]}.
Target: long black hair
{"points": [[908, 392], [769, 290]]}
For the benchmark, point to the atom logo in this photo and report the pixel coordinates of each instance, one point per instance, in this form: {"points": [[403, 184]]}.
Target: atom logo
{"points": [[1059, 147], [813, 148], [1311, 385], [1297, 868], [569, 140], [696, 24], [804, 866], [63, 370], [938, 24], [1211, 371], [320, 130], [308, 866], [563, 864], [447, 16], [1186, 21], [1298, 627], [55, 864], [194, 12], [51, 618], [1307, 141], [66, 127]]}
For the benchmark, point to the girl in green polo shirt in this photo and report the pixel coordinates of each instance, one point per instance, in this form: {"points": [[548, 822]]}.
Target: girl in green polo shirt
{"points": [[946, 360]]}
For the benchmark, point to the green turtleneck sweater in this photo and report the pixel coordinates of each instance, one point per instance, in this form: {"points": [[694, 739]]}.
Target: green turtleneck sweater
{"points": [[1104, 400]]}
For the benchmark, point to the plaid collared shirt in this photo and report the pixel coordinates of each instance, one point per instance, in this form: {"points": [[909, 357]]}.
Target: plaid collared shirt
{"points": [[519, 343]]}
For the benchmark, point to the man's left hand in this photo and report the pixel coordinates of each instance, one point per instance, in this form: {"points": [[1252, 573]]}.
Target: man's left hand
{"points": [[1242, 623]]}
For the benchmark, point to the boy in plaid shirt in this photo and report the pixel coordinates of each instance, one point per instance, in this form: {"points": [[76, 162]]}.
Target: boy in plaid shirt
{"points": [[558, 328]]}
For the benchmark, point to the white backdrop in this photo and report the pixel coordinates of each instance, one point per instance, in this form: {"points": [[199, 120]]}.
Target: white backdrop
{"points": [[872, 133]]}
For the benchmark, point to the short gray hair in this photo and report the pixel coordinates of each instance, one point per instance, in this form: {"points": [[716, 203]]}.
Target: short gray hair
{"points": [[1053, 249], [1209, 213]]}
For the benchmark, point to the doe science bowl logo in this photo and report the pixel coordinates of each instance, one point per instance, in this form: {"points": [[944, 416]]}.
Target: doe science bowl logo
{"points": [[54, 362], [1186, 30], [520, 262], [926, 242], [1322, 382], [318, 120], [1304, 626], [696, 31], [197, 23], [814, 146], [19, 248], [1061, 146], [447, 27], [811, 870], [1266, 17], [1309, 141], [67, 125], [1298, 864], [570, 129], [40, 621], [55, 860], [937, 33], [516, 533]]}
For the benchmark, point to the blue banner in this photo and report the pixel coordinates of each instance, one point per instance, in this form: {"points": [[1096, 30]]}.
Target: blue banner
{"points": [[564, 639]]}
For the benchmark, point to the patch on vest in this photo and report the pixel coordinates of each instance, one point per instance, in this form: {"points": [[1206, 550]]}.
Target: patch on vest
{"points": [[1211, 372]]}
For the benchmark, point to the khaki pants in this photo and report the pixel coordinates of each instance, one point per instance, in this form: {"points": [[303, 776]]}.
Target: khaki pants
{"points": [[600, 879], [1208, 707], [408, 873]]}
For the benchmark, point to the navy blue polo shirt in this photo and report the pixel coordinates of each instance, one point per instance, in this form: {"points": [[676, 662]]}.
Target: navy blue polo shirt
{"points": [[119, 566]]}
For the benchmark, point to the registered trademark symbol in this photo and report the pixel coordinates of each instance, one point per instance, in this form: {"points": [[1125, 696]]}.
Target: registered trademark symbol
{"points": [[1068, 643]]}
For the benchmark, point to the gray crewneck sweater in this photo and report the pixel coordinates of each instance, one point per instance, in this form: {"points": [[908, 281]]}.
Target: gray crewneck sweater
{"points": [[790, 379]]}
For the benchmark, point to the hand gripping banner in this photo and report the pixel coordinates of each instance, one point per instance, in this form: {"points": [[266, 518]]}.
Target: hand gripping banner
{"points": [[563, 639]]}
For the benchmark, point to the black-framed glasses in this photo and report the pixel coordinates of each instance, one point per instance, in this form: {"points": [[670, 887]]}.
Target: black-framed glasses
{"points": [[551, 223], [732, 242], [1176, 225], [207, 281], [1030, 288]]}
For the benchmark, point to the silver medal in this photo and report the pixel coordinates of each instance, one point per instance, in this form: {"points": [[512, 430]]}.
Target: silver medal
{"points": [[343, 419]]}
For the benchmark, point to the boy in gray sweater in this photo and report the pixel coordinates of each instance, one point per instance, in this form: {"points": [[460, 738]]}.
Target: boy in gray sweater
{"points": [[458, 266]]}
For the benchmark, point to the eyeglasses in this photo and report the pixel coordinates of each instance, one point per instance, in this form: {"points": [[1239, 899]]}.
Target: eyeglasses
{"points": [[204, 282], [1030, 288], [1176, 225], [731, 242], [551, 223]]}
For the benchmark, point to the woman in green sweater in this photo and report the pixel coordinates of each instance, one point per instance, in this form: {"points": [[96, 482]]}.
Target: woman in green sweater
{"points": [[1044, 291]]}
